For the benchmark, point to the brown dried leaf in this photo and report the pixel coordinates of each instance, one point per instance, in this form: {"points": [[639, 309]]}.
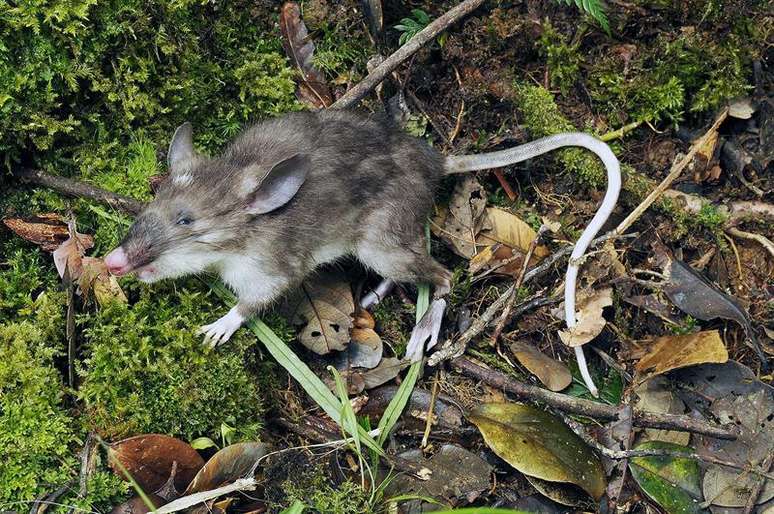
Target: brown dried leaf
{"points": [[324, 304], [69, 255], [589, 319], [311, 89], [463, 220], [95, 278], [673, 352], [554, 375], [45, 230], [136, 505], [229, 464], [148, 458], [386, 370], [501, 226]]}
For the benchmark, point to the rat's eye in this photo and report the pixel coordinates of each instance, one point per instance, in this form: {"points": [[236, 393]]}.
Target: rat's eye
{"points": [[184, 221]]}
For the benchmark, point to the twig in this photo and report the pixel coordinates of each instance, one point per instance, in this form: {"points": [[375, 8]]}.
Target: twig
{"points": [[588, 408], [498, 173], [506, 314], [79, 189], [430, 409], [357, 93], [677, 169], [759, 483], [619, 133], [763, 240]]}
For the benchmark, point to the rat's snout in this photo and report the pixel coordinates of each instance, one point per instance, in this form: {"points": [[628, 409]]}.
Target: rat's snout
{"points": [[117, 261]]}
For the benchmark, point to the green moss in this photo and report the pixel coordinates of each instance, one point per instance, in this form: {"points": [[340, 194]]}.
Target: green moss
{"points": [[148, 371], [36, 433], [314, 489], [562, 59]]}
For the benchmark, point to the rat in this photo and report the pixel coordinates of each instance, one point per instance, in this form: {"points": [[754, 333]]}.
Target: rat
{"points": [[294, 192]]}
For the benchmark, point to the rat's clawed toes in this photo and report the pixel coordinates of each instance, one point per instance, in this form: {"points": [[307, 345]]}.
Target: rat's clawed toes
{"points": [[222, 330]]}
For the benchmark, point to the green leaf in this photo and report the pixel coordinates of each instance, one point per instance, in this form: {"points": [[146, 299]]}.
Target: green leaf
{"points": [[672, 482], [594, 9], [200, 443], [538, 444], [296, 508], [348, 417]]}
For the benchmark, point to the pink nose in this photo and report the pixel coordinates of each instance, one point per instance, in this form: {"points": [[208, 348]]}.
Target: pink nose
{"points": [[117, 262]]}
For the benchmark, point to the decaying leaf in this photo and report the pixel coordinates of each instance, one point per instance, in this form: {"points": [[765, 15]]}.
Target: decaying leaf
{"points": [[70, 254], [657, 395], [680, 351], [386, 370], [589, 319], [671, 482], [229, 464], [540, 445], [554, 375], [447, 415], [501, 226], [324, 304], [149, 459], [136, 505], [311, 89], [462, 221], [455, 473], [653, 304], [698, 297], [95, 278], [563, 493], [45, 230]]}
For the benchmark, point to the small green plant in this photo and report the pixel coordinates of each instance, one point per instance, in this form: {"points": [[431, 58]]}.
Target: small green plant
{"points": [[410, 27], [562, 59], [594, 8], [688, 325]]}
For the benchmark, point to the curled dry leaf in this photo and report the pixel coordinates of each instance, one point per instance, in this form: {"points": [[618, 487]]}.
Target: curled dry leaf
{"points": [[149, 459], [462, 221], [311, 89], [324, 304], [554, 375], [673, 352], [48, 231], [540, 445], [228, 465], [589, 319], [69, 255], [95, 278]]}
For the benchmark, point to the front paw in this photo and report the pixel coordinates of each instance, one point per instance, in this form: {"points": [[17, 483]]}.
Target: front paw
{"points": [[220, 331]]}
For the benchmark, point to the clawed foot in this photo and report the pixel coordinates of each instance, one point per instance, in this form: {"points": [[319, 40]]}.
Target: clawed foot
{"points": [[425, 333], [220, 331]]}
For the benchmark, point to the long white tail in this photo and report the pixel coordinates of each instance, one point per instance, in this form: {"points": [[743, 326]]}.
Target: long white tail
{"points": [[463, 163]]}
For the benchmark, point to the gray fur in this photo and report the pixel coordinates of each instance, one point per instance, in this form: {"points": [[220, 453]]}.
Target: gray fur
{"points": [[367, 192]]}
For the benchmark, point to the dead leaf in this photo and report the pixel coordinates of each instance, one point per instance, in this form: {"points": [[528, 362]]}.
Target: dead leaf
{"points": [[311, 89], [698, 297], [554, 375], [227, 465], [589, 319], [386, 370], [148, 458], [95, 278], [498, 258], [673, 352], [463, 219], [653, 304], [501, 226], [325, 305], [70, 253], [447, 415], [657, 395], [45, 230], [136, 505], [741, 108]]}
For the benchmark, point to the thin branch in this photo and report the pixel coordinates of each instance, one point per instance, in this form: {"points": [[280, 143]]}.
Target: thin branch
{"points": [[79, 189], [751, 236], [588, 408], [357, 93]]}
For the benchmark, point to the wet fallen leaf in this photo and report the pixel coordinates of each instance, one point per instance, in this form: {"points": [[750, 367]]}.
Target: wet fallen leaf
{"points": [[95, 278], [653, 304], [463, 220], [226, 466], [589, 319], [680, 351], [501, 226], [324, 304], [540, 445], [554, 375], [148, 458], [696, 296], [562, 493], [386, 370], [671, 482], [657, 395], [311, 89], [456, 473], [48, 231]]}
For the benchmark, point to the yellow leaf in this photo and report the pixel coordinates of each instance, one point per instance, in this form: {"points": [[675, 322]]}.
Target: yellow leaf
{"points": [[673, 352]]}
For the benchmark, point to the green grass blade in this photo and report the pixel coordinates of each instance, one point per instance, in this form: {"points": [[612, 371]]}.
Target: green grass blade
{"points": [[349, 420]]}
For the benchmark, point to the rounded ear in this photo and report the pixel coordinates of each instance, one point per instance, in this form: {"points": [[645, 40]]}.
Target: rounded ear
{"points": [[280, 185], [181, 151]]}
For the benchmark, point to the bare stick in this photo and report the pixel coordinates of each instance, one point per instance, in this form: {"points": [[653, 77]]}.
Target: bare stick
{"points": [[759, 483], [79, 189], [763, 240], [677, 169], [588, 408], [357, 93]]}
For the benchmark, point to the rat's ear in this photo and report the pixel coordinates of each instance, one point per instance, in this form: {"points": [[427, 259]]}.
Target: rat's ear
{"points": [[181, 152], [280, 185]]}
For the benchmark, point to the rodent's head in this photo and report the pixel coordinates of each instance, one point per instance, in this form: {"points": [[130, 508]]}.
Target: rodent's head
{"points": [[200, 210]]}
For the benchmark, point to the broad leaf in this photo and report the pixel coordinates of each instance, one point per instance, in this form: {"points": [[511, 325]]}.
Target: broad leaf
{"points": [[673, 352], [226, 466]]}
